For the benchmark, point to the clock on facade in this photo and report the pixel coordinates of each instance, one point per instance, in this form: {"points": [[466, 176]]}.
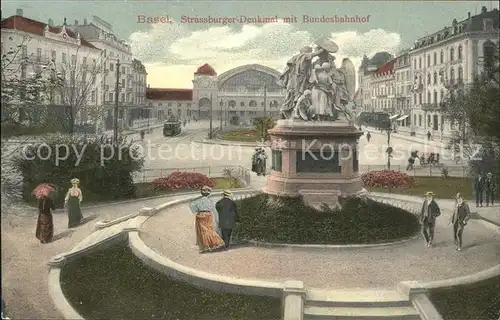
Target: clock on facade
{"points": [[205, 83]]}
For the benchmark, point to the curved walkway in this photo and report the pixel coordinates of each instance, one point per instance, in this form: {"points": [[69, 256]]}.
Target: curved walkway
{"points": [[171, 233], [24, 259]]}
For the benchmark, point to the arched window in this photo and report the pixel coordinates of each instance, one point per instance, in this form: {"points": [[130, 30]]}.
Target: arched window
{"points": [[460, 52], [452, 75], [429, 97], [253, 104], [273, 104], [435, 58], [242, 104], [489, 49], [428, 60], [420, 62], [452, 54], [435, 78], [460, 73], [435, 100], [441, 59], [442, 95], [415, 63], [231, 104], [428, 79]]}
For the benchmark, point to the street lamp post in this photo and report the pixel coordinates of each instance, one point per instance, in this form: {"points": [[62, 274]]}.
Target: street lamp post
{"points": [[115, 131], [211, 116], [389, 148], [221, 104]]}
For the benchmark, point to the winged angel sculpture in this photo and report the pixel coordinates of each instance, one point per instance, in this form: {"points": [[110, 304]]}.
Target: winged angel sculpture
{"points": [[316, 89]]}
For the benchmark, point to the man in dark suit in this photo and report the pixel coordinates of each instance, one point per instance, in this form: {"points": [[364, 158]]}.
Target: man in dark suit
{"points": [[479, 189], [461, 214], [490, 187], [430, 211], [228, 216]]}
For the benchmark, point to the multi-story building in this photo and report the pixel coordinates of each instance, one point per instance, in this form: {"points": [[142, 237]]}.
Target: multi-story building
{"points": [[403, 87], [44, 48], [240, 94], [366, 70], [444, 62], [119, 68], [382, 85]]}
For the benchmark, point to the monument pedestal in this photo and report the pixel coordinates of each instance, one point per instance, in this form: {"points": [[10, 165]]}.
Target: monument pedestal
{"points": [[316, 160]]}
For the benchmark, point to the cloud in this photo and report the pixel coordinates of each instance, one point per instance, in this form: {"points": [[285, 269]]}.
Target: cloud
{"points": [[172, 53]]}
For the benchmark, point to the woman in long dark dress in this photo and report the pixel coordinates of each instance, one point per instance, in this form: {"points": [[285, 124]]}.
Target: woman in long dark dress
{"points": [[73, 199], [45, 225]]}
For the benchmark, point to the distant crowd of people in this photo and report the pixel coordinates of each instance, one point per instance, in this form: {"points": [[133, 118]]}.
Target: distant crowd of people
{"points": [[485, 189]]}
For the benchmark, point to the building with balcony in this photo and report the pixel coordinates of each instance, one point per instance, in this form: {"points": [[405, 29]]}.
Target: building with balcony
{"points": [[240, 94], [63, 54], [120, 68], [382, 86], [446, 61], [365, 72], [402, 87]]}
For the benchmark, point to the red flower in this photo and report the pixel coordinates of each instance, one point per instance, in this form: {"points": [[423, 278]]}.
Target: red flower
{"points": [[183, 180], [387, 179]]}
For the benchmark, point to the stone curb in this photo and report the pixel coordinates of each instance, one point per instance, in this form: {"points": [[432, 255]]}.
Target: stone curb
{"points": [[230, 143], [57, 295]]}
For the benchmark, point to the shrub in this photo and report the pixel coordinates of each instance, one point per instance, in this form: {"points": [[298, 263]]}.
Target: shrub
{"points": [[183, 180], [83, 157], [291, 221], [445, 173], [387, 179]]}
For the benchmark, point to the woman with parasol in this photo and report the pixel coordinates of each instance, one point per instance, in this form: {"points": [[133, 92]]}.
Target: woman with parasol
{"points": [[72, 201], [45, 224]]}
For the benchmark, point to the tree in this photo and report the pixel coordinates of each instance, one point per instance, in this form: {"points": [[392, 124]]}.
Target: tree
{"points": [[475, 109], [76, 87], [262, 125], [23, 94]]}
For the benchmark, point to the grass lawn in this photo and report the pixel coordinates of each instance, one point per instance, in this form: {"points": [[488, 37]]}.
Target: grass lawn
{"points": [[479, 301], [144, 190], [288, 220], [242, 135], [444, 188], [115, 284]]}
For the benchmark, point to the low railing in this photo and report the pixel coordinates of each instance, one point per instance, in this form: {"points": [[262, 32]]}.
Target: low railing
{"points": [[237, 172], [422, 171]]}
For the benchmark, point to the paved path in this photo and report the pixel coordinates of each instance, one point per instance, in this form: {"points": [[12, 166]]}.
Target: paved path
{"points": [[171, 234], [24, 259]]}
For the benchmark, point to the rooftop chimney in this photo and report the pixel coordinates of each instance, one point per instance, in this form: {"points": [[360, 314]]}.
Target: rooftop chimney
{"points": [[76, 22], [51, 22], [468, 15], [454, 22], [19, 12], [85, 21], [484, 9]]}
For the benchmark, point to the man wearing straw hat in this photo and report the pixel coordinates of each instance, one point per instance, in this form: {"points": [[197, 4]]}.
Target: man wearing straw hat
{"points": [[228, 216], [430, 211]]}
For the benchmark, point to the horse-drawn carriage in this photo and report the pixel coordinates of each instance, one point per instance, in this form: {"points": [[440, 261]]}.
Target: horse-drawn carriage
{"points": [[425, 159]]}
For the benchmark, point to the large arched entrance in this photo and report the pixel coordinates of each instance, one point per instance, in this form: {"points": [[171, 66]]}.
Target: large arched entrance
{"points": [[204, 108]]}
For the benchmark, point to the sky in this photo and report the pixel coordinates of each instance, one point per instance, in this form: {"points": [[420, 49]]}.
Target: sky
{"points": [[173, 51]]}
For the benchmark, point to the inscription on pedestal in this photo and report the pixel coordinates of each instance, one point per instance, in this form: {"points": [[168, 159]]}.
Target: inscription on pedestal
{"points": [[277, 160], [318, 162]]}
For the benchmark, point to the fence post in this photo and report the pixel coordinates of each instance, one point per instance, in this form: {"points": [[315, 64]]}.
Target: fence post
{"points": [[209, 175]]}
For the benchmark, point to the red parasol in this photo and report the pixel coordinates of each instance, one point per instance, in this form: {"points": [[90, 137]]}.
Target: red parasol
{"points": [[43, 190]]}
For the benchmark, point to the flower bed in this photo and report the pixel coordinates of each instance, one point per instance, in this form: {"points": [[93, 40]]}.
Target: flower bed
{"points": [[183, 180], [387, 179]]}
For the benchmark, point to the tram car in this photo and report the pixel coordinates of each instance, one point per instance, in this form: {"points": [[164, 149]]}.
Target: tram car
{"points": [[172, 127]]}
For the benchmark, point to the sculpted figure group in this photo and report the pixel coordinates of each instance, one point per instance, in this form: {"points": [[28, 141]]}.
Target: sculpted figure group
{"points": [[316, 89]]}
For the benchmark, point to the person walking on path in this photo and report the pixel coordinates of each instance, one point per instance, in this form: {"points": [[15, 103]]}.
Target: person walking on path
{"points": [[429, 135], [461, 214], [430, 211], [228, 217], [72, 202], [206, 223], [368, 136], [490, 187], [45, 223], [479, 189]]}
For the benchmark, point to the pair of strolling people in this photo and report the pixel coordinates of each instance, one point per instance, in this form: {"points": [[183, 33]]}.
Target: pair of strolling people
{"points": [[214, 222], [430, 211]]}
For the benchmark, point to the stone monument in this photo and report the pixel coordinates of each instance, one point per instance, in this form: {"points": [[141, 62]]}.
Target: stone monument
{"points": [[314, 145]]}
